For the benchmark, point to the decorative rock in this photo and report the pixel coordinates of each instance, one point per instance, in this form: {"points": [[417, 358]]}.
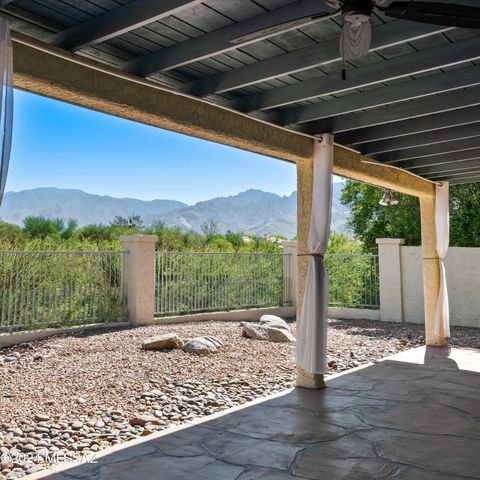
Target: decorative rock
{"points": [[39, 417], [77, 425], [262, 332], [203, 345], [274, 321], [142, 420], [167, 341]]}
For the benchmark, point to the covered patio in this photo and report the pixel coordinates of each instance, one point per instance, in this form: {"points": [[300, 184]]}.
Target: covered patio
{"points": [[266, 76]]}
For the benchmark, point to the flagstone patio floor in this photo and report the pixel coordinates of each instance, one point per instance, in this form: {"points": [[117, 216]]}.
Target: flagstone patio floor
{"points": [[414, 415]]}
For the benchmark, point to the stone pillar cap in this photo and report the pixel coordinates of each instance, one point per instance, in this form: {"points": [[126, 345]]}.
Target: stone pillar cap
{"points": [[138, 238], [391, 241]]}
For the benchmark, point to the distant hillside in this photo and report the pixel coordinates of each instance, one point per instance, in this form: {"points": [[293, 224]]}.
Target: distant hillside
{"points": [[251, 212], [84, 207]]}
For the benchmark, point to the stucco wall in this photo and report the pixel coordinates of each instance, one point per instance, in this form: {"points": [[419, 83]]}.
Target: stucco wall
{"points": [[463, 279]]}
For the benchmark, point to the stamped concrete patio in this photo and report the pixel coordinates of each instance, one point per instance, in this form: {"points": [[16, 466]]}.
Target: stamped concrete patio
{"points": [[415, 415]]}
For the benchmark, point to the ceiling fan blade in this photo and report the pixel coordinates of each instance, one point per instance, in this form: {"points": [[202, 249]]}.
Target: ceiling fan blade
{"points": [[437, 13], [278, 28], [355, 40]]}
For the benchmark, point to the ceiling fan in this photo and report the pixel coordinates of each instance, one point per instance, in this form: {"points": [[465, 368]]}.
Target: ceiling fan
{"points": [[356, 36]]}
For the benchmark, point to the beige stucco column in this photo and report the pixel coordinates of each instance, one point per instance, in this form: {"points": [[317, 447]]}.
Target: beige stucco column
{"points": [[431, 269], [139, 277], [304, 206]]}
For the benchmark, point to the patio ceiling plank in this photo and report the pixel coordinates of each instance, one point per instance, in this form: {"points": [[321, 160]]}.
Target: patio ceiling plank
{"points": [[421, 139], [222, 40], [452, 175], [116, 22], [439, 159], [384, 35], [365, 136], [427, 150], [407, 90], [396, 112], [451, 167], [464, 180], [402, 66]]}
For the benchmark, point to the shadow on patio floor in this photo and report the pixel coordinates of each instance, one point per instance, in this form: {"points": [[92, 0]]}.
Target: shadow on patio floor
{"points": [[413, 416]]}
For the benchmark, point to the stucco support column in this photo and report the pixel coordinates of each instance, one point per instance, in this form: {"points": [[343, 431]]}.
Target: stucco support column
{"points": [[139, 277], [304, 206], [290, 248], [431, 269], [390, 268]]}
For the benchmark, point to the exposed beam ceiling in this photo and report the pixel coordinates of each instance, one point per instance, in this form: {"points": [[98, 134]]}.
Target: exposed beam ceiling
{"points": [[384, 35], [364, 136], [399, 111], [405, 65], [116, 22], [222, 40], [420, 139]]}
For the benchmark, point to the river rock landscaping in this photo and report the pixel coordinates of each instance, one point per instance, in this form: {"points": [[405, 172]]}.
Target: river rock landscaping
{"points": [[82, 392]]}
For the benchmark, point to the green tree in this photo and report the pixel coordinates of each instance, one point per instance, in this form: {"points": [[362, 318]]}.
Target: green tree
{"points": [[69, 229], [341, 243], [369, 220], [235, 239], [132, 221], [42, 227], [465, 215], [95, 233]]}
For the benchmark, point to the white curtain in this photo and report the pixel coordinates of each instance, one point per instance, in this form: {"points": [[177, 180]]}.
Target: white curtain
{"points": [[311, 350], [6, 102], [442, 220]]}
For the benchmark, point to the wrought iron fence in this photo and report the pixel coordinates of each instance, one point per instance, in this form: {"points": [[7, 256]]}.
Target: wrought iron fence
{"points": [[210, 281], [354, 280], [44, 289]]}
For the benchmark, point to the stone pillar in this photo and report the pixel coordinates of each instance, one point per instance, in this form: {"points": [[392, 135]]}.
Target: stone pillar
{"points": [[431, 269], [290, 248], [304, 208], [139, 277], [389, 258]]}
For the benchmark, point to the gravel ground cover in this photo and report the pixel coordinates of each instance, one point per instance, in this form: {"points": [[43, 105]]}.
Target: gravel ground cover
{"points": [[76, 394]]}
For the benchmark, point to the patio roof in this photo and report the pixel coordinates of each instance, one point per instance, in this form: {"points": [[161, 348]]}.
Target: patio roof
{"points": [[413, 102]]}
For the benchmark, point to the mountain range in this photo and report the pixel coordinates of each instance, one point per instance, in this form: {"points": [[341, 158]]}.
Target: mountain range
{"points": [[251, 212]]}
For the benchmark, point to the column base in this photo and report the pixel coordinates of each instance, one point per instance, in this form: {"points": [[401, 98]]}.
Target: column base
{"points": [[436, 342], [314, 381]]}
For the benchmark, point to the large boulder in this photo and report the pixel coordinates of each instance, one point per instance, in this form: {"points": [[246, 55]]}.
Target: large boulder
{"points": [[203, 345], [255, 331], [264, 332], [167, 341], [274, 321]]}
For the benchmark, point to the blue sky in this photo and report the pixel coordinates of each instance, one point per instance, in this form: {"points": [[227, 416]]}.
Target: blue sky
{"points": [[64, 146]]}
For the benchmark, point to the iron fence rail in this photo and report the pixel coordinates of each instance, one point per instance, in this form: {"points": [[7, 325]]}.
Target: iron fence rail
{"points": [[354, 280], [192, 282], [41, 289]]}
